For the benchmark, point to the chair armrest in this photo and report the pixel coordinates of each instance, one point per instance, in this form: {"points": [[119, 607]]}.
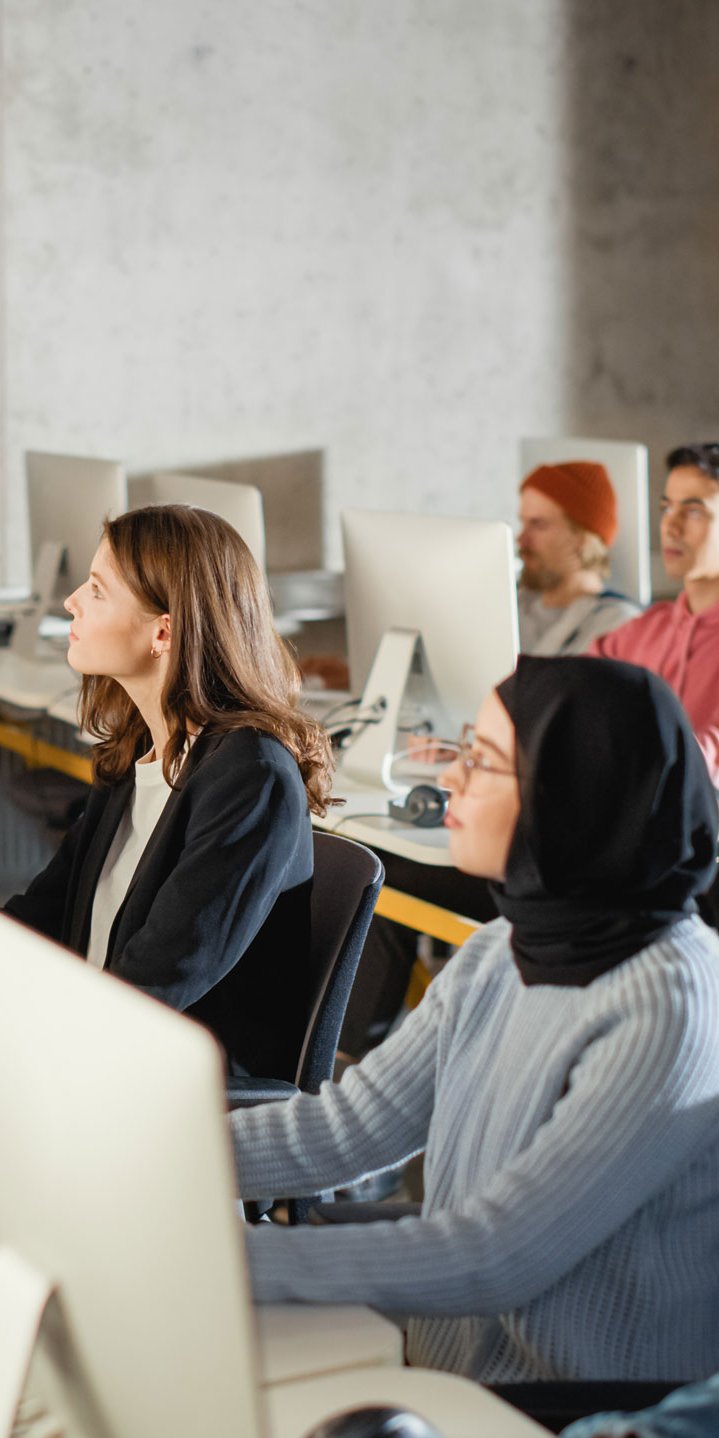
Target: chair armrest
{"points": [[245, 1092], [367, 1212]]}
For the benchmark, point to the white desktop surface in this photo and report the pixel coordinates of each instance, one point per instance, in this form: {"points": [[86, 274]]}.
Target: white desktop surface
{"points": [[364, 817], [456, 1407], [35, 683], [65, 709], [303, 1340], [364, 814]]}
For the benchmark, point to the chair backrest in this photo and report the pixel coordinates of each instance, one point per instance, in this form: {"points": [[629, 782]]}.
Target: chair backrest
{"points": [[347, 881]]}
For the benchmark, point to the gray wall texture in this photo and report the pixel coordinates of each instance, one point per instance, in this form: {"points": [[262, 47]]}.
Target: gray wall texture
{"points": [[401, 234]]}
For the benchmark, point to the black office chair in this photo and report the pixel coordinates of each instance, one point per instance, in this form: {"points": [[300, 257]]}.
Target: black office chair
{"points": [[347, 881], [554, 1405]]}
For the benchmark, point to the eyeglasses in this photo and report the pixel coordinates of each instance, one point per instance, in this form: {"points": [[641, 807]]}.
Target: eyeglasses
{"points": [[467, 759]]}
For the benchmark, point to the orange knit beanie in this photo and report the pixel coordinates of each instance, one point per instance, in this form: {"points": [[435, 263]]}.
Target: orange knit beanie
{"points": [[583, 490]]}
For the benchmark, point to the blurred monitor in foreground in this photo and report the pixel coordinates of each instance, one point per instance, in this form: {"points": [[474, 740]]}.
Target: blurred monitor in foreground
{"points": [[125, 1309], [117, 1187]]}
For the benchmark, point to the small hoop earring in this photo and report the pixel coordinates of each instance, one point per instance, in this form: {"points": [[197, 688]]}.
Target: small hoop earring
{"points": [[155, 653]]}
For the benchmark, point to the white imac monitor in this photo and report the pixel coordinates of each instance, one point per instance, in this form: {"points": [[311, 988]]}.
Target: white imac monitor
{"points": [[118, 1190], [627, 465], [69, 496], [239, 504], [431, 624], [124, 1301]]}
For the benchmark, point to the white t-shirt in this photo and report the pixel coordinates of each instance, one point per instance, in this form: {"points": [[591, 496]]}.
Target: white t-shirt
{"points": [[148, 800]]}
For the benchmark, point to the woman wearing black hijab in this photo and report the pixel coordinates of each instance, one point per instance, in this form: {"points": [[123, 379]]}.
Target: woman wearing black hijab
{"points": [[562, 1075], [616, 822]]}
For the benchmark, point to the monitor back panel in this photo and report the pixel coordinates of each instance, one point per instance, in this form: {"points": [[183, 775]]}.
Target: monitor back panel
{"points": [[69, 496], [452, 579], [118, 1184]]}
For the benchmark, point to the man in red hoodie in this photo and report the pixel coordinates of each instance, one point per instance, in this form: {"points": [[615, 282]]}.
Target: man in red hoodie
{"points": [[680, 639]]}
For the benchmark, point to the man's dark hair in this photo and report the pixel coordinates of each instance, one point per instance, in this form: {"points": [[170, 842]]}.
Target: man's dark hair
{"points": [[701, 456]]}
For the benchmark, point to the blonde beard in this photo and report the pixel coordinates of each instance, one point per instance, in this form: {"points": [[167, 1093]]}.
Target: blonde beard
{"points": [[539, 581]]}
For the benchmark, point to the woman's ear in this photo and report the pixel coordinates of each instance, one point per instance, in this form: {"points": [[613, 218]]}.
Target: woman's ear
{"points": [[162, 635]]}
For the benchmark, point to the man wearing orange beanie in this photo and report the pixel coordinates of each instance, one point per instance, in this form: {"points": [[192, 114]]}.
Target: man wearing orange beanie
{"points": [[568, 518]]}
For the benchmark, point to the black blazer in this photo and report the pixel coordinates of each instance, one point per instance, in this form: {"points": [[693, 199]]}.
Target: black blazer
{"points": [[216, 920]]}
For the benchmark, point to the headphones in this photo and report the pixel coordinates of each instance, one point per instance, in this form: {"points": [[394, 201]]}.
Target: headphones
{"points": [[425, 806]]}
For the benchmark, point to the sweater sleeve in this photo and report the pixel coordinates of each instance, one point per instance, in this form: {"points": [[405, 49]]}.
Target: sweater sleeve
{"points": [[642, 1102], [374, 1119]]}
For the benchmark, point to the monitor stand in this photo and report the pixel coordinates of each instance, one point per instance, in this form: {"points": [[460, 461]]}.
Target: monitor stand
{"points": [[399, 675], [24, 1296], [42, 1384], [26, 630]]}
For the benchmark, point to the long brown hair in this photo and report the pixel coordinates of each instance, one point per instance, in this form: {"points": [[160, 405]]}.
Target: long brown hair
{"points": [[228, 667]]}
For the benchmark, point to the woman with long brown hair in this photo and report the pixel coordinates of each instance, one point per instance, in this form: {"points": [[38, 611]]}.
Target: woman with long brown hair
{"points": [[189, 873]]}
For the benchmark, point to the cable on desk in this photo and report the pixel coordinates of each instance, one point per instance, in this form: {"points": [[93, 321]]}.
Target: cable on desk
{"points": [[338, 737], [350, 818], [338, 709]]}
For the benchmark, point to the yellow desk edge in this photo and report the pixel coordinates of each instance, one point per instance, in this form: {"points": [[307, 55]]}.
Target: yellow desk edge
{"points": [[37, 752], [425, 918]]}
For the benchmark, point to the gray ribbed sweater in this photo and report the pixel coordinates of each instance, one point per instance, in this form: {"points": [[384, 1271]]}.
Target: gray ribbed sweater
{"points": [[570, 1225]]}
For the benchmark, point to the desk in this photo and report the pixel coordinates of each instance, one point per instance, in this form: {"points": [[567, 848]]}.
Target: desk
{"points": [[39, 752], [364, 817], [35, 684], [31, 739], [423, 917], [456, 1407], [306, 1340], [32, 694]]}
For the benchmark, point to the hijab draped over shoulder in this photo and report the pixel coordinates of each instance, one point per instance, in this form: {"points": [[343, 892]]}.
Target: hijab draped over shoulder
{"points": [[618, 822]]}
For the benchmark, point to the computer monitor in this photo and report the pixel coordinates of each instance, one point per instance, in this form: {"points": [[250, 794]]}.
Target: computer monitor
{"points": [[628, 467], [431, 624], [239, 504], [69, 496], [118, 1187], [117, 1193]]}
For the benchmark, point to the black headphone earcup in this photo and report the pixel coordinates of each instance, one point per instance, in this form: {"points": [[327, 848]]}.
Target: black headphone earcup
{"points": [[425, 806]]}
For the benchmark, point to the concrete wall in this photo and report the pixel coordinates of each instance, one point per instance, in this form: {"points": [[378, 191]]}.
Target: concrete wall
{"points": [[641, 196], [400, 235]]}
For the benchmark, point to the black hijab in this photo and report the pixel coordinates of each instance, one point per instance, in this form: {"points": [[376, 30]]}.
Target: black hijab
{"points": [[618, 822]]}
